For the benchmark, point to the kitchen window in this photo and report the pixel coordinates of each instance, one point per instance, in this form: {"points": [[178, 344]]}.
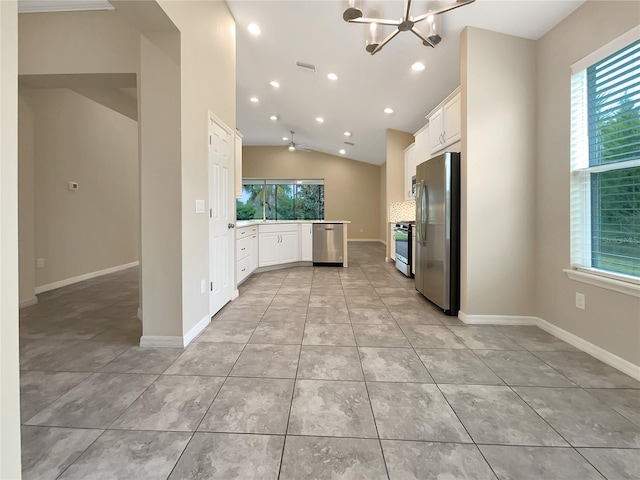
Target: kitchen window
{"points": [[605, 161], [281, 200]]}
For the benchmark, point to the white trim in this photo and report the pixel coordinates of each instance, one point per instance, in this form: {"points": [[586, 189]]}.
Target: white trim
{"points": [[595, 351], [147, 341], [497, 319], [196, 329], [606, 50], [44, 6], [82, 278], [601, 281], [28, 302], [236, 293]]}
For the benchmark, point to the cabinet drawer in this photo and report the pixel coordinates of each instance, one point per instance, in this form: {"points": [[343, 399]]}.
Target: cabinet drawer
{"points": [[243, 248], [246, 231], [287, 227], [243, 268]]}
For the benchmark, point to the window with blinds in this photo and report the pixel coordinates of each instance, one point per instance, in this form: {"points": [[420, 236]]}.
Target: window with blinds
{"points": [[605, 154]]}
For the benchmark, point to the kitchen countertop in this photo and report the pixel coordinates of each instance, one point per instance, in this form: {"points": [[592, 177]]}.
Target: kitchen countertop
{"points": [[248, 223]]}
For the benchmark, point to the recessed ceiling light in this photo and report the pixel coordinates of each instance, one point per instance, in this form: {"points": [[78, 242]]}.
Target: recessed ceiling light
{"points": [[418, 67], [254, 100], [274, 84], [347, 134], [343, 151], [388, 110], [253, 29], [273, 117], [332, 76], [319, 119], [285, 139]]}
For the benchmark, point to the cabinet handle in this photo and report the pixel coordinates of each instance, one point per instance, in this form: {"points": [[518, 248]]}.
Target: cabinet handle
{"points": [[243, 249]]}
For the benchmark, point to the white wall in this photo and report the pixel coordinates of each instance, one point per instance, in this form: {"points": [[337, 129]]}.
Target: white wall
{"points": [[95, 227], [9, 382], [498, 174], [611, 320]]}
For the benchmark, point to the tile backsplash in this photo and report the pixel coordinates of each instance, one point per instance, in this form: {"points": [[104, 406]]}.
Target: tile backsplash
{"points": [[399, 211]]}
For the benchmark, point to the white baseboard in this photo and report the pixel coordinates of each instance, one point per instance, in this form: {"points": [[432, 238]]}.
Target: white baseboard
{"points": [[82, 278], [170, 342], [497, 319], [28, 302], [196, 329], [595, 351]]}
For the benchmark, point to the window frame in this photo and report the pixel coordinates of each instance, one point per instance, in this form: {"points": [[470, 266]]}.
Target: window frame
{"points": [[580, 205]]}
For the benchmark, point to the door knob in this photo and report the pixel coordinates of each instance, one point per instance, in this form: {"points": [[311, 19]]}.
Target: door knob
{"points": [[231, 225]]}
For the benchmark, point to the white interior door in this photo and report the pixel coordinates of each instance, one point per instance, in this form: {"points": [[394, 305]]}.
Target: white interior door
{"points": [[221, 215]]}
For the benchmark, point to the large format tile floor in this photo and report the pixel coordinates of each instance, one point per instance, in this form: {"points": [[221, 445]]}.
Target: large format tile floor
{"points": [[314, 373]]}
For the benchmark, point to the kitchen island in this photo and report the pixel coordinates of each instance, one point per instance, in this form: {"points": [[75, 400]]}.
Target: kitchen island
{"points": [[263, 245]]}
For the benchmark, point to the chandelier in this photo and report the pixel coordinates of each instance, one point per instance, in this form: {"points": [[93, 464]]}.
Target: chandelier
{"points": [[407, 23]]}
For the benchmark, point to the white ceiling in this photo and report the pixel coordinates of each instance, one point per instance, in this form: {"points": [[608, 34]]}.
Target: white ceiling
{"points": [[314, 32]]}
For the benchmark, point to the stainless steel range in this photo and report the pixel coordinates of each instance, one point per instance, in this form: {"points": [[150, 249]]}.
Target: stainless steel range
{"points": [[404, 251]]}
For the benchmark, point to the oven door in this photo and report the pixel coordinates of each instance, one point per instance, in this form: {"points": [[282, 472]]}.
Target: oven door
{"points": [[402, 251]]}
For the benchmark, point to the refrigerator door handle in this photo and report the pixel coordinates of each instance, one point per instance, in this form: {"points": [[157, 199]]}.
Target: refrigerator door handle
{"points": [[424, 213]]}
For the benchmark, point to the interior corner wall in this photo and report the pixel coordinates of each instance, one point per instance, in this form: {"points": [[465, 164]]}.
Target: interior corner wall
{"points": [[160, 186], [9, 358], [396, 143], [383, 204], [498, 87], [208, 84], [26, 200], [95, 227], [611, 320], [351, 188]]}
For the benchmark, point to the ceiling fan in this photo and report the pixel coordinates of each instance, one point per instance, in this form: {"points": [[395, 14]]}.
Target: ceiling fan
{"points": [[293, 146]]}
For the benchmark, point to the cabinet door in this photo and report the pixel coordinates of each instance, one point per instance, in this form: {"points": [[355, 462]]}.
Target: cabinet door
{"points": [[392, 243], [289, 248], [452, 116], [436, 125], [306, 242], [269, 248], [238, 162]]}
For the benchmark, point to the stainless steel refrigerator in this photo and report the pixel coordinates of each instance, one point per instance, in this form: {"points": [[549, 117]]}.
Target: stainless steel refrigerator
{"points": [[437, 273]]}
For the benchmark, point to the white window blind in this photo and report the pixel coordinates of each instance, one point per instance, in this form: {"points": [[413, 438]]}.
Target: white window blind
{"points": [[605, 164]]}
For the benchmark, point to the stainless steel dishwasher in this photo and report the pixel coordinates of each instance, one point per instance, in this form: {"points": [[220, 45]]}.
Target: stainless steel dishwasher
{"points": [[328, 244]]}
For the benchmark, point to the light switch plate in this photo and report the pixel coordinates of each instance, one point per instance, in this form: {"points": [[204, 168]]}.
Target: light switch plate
{"points": [[580, 301], [199, 206]]}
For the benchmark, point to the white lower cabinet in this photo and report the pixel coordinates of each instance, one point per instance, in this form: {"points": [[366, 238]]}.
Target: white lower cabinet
{"points": [[278, 244], [306, 242], [246, 252], [392, 242]]}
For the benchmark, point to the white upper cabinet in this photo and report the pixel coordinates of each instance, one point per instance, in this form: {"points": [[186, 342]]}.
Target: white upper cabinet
{"points": [[444, 123], [422, 149], [409, 170]]}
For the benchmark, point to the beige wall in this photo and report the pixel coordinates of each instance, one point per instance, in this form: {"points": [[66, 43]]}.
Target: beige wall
{"points": [[95, 227], [352, 189], [26, 201], [611, 320], [383, 203], [208, 83], [397, 141], [498, 174], [9, 382]]}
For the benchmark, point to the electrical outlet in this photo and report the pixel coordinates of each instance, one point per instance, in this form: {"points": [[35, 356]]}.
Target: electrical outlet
{"points": [[580, 301], [203, 286], [40, 263]]}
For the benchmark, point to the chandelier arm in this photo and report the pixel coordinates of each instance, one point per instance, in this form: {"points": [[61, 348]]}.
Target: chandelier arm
{"points": [[419, 34], [385, 41], [458, 4], [379, 21], [407, 7]]}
